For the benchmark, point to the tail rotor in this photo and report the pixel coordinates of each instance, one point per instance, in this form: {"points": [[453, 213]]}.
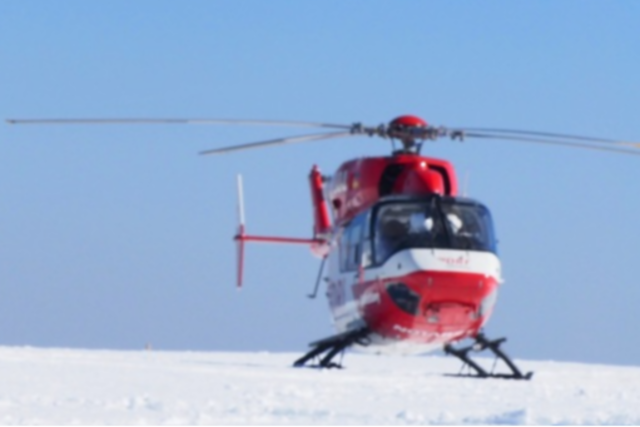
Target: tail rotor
{"points": [[239, 238]]}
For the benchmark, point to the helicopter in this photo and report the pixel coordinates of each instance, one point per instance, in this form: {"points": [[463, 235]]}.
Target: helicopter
{"points": [[410, 265]]}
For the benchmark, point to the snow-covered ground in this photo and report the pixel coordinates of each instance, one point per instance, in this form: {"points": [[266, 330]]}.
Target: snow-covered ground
{"points": [[60, 386]]}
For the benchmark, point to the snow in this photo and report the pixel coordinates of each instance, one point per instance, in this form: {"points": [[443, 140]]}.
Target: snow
{"points": [[64, 386]]}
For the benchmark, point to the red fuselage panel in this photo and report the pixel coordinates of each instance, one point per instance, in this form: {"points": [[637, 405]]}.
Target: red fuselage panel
{"points": [[358, 184]]}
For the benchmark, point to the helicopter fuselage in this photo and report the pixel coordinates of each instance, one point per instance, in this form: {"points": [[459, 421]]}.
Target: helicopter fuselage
{"points": [[407, 259]]}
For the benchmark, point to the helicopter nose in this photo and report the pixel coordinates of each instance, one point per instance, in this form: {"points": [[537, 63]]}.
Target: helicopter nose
{"points": [[444, 299]]}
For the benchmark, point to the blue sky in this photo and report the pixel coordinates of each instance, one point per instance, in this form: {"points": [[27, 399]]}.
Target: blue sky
{"points": [[114, 237]]}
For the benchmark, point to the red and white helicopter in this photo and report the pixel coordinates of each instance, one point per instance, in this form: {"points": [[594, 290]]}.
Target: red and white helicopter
{"points": [[411, 266]]}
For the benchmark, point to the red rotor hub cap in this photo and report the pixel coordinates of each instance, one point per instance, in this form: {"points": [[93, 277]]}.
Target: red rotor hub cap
{"points": [[408, 121]]}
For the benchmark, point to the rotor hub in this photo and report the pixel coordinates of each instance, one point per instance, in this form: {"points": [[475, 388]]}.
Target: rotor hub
{"points": [[408, 129]]}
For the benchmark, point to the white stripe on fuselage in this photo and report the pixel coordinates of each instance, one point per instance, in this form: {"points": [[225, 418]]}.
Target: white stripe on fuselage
{"points": [[441, 260]]}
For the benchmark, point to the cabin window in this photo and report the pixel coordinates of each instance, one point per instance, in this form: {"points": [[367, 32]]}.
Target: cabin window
{"points": [[355, 250]]}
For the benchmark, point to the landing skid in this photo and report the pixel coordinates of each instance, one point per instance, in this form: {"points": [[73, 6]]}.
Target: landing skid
{"points": [[325, 350], [483, 343]]}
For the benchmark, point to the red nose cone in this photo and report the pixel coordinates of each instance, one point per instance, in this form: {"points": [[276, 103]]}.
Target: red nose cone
{"points": [[408, 121]]}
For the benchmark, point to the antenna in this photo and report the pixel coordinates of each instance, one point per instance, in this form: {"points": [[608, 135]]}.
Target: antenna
{"points": [[465, 187]]}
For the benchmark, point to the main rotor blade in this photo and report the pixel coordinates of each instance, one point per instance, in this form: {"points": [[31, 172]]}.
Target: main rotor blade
{"points": [[279, 141], [552, 142], [145, 121], [552, 135]]}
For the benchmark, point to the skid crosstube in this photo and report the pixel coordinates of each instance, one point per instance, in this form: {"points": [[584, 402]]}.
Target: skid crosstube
{"points": [[483, 343], [326, 349]]}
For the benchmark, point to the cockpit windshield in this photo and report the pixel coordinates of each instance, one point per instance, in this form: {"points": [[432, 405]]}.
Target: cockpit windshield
{"points": [[435, 223]]}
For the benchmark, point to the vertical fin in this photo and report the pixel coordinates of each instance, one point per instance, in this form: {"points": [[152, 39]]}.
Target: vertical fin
{"points": [[321, 220]]}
